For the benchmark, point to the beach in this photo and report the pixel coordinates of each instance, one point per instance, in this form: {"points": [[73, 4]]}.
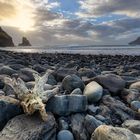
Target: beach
{"points": [[94, 90]]}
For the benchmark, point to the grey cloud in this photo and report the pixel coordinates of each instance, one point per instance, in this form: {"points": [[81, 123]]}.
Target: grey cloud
{"points": [[103, 7]]}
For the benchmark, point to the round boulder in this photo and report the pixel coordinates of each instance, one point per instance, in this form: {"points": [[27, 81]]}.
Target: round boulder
{"points": [[71, 82], [65, 135], [112, 82], [93, 91], [104, 132]]}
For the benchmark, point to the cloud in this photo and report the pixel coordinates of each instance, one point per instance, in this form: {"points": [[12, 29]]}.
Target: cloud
{"points": [[6, 10], [96, 8]]}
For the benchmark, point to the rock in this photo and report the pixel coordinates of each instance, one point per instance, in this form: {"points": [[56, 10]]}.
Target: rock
{"points": [[135, 105], [8, 90], [131, 95], [91, 123], [61, 73], [105, 132], [26, 74], [77, 126], [93, 91], [135, 42], [92, 110], [66, 104], [120, 112], [25, 42], [8, 110], [2, 92], [101, 118], [63, 124], [65, 135], [25, 127], [77, 91], [86, 72], [39, 68], [7, 70], [112, 82], [72, 82], [51, 80], [133, 125], [135, 86], [5, 39]]}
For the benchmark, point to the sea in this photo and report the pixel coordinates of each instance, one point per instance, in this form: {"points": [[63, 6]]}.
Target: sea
{"points": [[76, 49]]}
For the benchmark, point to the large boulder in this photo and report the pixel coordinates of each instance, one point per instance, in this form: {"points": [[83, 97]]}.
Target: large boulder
{"points": [[66, 104], [112, 82], [72, 82], [77, 126], [93, 91], [133, 125], [7, 70], [25, 42], [5, 39], [105, 132], [135, 85], [65, 135], [25, 127], [8, 110]]}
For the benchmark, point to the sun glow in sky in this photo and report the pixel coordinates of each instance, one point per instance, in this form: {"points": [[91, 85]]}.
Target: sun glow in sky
{"points": [[23, 17]]}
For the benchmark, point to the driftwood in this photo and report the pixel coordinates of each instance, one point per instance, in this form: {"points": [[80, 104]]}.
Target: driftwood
{"points": [[35, 99]]}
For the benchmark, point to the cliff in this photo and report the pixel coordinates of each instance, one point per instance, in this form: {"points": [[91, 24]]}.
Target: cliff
{"points": [[5, 39]]}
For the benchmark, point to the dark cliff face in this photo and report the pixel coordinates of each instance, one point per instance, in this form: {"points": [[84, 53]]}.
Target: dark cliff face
{"points": [[25, 42], [5, 39], [135, 42]]}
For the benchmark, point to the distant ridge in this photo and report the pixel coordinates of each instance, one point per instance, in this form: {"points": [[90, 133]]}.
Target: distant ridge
{"points": [[135, 42], [5, 39]]}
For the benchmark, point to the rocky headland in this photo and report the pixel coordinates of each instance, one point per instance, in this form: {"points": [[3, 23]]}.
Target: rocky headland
{"points": [[25, 42], [5, 39], [98, 99], [135, 42]]}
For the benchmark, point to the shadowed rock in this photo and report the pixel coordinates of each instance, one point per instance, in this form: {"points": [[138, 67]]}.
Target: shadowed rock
{"points": [[25, 42], [5, 39]]}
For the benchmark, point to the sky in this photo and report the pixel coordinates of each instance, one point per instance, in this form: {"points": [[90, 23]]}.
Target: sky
{"points": [[71, 22]]}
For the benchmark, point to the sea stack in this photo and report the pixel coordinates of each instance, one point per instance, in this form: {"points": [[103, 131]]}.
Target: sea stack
{"points": [[25, 42], [135, 42], [5, 39]]}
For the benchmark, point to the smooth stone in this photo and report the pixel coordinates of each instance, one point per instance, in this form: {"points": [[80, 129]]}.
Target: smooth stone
{"points": [[61, 73], [64, 105], [93, 91], [133, 125], [131, 95], [86, 72], [51, 80], [25, 127], [77, 126], [77, 91], [8, 110], [38, 68], [135, 86], [72, 82], [112, 82], [26, 74], [2, 92], [65, 135], [135, 105], [7, 70], [104, 132], [101, 118], [63, 124], [92, 110], [91, 123]]}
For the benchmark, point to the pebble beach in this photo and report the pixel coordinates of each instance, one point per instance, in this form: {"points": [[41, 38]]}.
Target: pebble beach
{"points": [[98, 99]]}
